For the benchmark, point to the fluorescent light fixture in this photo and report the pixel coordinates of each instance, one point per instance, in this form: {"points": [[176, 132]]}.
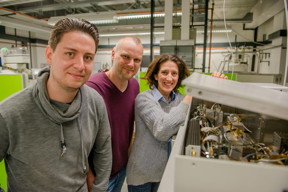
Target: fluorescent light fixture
{"points": [[143, 16], [130, 34], [177, 14], [96, 18], [104, 21], [155, 33], [217, 31], [105, 3], [107, 18]]}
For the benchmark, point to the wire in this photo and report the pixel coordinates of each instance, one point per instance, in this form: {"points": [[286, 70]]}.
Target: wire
{"points": [[22, 14], [249, 155], [212, 107], [246, 128], [225, 25]]}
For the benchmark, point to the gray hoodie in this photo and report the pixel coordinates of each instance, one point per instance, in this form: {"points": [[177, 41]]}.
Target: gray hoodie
{"points": [[45, 144]]}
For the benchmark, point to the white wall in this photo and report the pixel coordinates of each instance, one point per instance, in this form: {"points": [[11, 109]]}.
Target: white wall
{"points": [[38, 56]]}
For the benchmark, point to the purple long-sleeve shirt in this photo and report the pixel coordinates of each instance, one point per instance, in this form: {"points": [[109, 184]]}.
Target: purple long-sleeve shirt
{"points": [[120, 108]]}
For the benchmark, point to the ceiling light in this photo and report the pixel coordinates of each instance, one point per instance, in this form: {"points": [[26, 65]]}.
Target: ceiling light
{"points": [[104, 21], [143, 16], [217, 31], [95, 18], [106, 17], [105, 3], [129, 34], [140, 16]]}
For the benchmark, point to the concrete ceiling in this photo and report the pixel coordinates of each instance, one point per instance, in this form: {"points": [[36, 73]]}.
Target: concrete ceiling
{"points": [[33, 15]]}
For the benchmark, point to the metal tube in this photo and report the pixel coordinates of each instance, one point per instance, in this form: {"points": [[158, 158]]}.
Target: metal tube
{"points": [[205, 34], [152, 30]]}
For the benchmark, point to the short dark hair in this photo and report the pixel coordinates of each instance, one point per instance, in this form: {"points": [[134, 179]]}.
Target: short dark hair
{"points": [[154, 68], [72, 24]]}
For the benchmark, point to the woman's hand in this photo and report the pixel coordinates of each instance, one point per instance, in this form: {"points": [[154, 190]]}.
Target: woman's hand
{"points": [[219, 75], [187, 99]]}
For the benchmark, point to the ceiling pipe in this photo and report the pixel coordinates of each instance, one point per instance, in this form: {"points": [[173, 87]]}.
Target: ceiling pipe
{"points": [[60, 6], [16, 2], [211, 29], [14, 23], [18, 13], [205, 35], [152, 31]]}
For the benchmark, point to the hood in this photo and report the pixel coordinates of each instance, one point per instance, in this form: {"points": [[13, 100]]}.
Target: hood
{"points": [[41, 97], [57, 116]]}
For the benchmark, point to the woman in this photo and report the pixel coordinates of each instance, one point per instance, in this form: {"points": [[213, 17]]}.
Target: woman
{"points": [[159, 112]]}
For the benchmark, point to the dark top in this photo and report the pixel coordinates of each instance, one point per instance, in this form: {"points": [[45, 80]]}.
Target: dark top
{"points": [[120, 108]]}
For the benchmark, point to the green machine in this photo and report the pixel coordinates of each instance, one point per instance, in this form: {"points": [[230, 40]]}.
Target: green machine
{"points": [[9, 84]]}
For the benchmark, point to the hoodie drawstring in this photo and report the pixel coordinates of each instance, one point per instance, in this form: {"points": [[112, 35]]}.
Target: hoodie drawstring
{"points": [[62, 142], [64, 148]]}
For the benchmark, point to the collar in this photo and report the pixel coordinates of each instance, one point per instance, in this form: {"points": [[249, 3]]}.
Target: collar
{"points": [[158, 96], [43, 102]]}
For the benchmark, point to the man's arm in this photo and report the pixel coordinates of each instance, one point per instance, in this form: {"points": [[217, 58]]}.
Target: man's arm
{"points": [[4, 138]]}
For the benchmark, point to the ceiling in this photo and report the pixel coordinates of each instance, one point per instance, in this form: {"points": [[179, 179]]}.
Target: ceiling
{"points": [[36, 15]]}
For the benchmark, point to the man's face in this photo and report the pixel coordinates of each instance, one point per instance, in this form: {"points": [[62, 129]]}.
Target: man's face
{"points": [[127, 58], [72, 60]]}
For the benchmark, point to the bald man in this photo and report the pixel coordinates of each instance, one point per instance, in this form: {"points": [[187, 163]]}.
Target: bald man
{"points": [[119, 90]]}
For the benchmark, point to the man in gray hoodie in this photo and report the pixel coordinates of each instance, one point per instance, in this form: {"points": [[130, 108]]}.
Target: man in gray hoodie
{"points": [[48, 130]]}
